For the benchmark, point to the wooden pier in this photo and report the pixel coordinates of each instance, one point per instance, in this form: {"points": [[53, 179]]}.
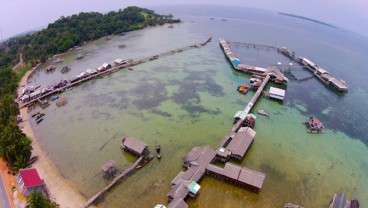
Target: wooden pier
{"points": [[256, 45], [71, 84], [118, 178]]}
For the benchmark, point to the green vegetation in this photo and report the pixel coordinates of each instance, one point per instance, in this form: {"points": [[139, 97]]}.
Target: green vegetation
{"points": [[306, 18], [37, 200], [58, 37], [74, 30], [15, 146]]}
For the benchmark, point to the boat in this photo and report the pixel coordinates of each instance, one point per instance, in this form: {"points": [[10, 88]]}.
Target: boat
{"points": [[158, 151], [79, 57], [243, 88], [223, 19], [212, 18], [54, 97], [262, 112], [144, 162], [36, 114], [51, 68], [314, 125], [32, 160], [65, 69], [171, 26], [39, 121], [40, 116], [122, 46]]}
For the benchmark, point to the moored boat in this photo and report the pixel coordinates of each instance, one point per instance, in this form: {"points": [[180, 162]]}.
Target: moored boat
{"points": [[243, 88], [39, 121], [262, 112], [36, 114], [38, 117], [54, 97], [51, 68], [158, 151], [65, 69]]}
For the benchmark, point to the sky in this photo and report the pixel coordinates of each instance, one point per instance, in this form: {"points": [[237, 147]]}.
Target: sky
{"points": [[17, 16]]}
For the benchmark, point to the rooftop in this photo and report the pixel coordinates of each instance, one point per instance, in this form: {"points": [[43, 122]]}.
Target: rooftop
{"points": [[30, 177], [134, 144]]}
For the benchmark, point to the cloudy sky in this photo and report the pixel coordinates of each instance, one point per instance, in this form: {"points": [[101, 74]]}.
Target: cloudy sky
{"points": [[17, 16]]}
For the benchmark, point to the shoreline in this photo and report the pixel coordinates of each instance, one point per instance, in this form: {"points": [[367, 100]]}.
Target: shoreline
{"points": [[60, 189]]}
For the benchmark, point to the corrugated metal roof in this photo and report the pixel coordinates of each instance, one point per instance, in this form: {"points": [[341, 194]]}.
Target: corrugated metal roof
{"points": [[30, 177], [241, 142], [134, 144], [177, 203], [252, 177], [231, 170]]}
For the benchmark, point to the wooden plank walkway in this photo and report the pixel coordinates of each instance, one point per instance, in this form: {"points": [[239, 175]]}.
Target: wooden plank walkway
{"points": [[247, 109], [115, 69], [255, 97], [112, 183], [256, 46]]}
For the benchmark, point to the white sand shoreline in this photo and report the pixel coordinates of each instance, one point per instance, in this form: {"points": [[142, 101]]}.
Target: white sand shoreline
{"points": [[60, 189]]}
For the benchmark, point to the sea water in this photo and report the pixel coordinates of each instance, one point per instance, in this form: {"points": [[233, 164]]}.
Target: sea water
{"points": [[189, 99]]}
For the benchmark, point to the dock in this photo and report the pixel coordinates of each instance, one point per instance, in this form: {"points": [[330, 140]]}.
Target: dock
{"points": [[29, 99], [323, 75], [318, 72], [118, 178]]}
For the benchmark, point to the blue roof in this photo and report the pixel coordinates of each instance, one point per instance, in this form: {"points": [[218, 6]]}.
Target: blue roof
{"points": [[235, 62]]}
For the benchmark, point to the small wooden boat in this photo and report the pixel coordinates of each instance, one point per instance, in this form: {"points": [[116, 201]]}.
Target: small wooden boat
{"points": [[39, 121], [131, 69], [171, 26], [32, 160], [40, 116], [79, 57], [51, 68], [121, 46], [243, 88], [65, 69], [263, 113], [36, 114], [158, 151], [144, 162], [54, 97]]}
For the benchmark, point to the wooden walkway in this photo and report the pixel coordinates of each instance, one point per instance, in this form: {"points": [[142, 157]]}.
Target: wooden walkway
{"points": [[255, 97], [256, 46], [112, 183], [114, 69]]}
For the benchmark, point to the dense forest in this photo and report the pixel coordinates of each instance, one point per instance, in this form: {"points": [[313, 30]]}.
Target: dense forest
{"points": [[37, 47], [74, 30]]}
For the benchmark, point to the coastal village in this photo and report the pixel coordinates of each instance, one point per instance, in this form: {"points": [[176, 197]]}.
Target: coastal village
{"points": [[220, 162], [200, 161]]}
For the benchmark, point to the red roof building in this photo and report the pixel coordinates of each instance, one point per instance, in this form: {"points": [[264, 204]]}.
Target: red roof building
{"points": [[29, 181]]}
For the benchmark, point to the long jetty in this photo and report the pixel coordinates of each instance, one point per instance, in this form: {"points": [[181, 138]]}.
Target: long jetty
{"points": [[113, 182], [70, 84], [200, 161]]}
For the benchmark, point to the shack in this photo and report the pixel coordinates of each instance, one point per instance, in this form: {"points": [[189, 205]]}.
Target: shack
{"points": [[135, 146], [29, 181], [241, 176], [236, 145], [108, 169], [177, 203], [119, 62], [277, 93], [241, 143]]}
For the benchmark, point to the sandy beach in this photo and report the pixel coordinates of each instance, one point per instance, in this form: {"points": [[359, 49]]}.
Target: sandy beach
{"points": [[60, 190]]}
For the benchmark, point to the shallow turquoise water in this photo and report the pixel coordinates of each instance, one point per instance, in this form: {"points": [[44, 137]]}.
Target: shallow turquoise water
{"points": [[189, 99]]}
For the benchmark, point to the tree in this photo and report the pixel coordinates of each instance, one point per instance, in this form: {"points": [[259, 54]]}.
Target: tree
{"points": [[37, 200]]}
